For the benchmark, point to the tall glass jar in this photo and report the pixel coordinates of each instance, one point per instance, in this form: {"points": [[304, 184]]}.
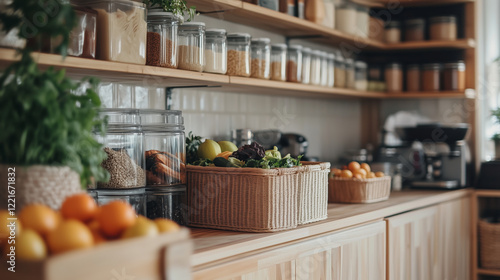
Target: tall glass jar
{"points": [[443, 28], [454, 76], [278, 62], [331, 70], [215, 51], [192, 46], [294, 64], [363, 21], [306, 66], [393, 32], [413, 78], [261, 58], [162, 42], [315, 68], [349, 73], [345, 18], [324, 69], [394, 77], [123, 144], [238, 54], [431, 77], [340, 72], [361, 75], [414, 29]]}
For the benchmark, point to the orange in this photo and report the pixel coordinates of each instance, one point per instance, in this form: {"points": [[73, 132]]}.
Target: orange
{"points": [[166, 225], [80, 207], [8, 222], [353, 166], [357, 176], [371, 175], [346, 174], [96, 232], [379, 174], [70, 235], [115, 217], [366, 167], [142, 227], [336, 171], [362, 172], [39, 218], [29, 246]]}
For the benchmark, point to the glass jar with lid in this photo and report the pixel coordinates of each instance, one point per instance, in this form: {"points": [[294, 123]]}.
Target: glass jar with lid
{"points": [[162, 44], [294, 64], [121, 30], [340, 72], [278, 62], [306, 66], [315, 68], [361, 75], [431, 77], [167, 202], [443, 28], [192, 46], [215, 51], [324, 69], [363, 21], [376, 78], [238, 54], [123, 144], [349, 73], [393, 32], [135, 197], [414, 29], [345, 17], [413, 77], [394, 77], [331, 70], [454, 76], [261, 58]]}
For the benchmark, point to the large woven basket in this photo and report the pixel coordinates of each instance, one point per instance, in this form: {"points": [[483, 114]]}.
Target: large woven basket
{"points": [[352, 190], [313, 192], [48, 185], [489, 245], [243, 199]]}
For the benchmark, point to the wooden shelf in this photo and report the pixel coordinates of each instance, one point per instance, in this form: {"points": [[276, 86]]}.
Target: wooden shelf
{"points": [[416, 46], [410, 3], [487, 193], [469, 93], [492, 272]]}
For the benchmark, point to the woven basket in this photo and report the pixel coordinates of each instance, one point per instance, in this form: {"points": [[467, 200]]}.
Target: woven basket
{"points": [[489, 245], [349, 190], [243, 199], [313, 191], [48, 185]]}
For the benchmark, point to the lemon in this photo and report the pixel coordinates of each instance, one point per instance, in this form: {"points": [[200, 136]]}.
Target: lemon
{"points": [[227, 146], [142, 227], [209, 149], [166, 225], [30, 246]]}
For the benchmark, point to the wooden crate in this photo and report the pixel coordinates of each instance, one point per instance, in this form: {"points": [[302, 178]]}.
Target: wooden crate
{"points": [[165, 257]]}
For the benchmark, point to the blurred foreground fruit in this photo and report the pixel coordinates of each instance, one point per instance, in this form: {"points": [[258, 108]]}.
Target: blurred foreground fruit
{"points": [[39, 218], [142, 227], [29, 246], [115, 217], [81, 207], [70, 235], [165, 225], [5, 222], [227, 146], [209, 149]]}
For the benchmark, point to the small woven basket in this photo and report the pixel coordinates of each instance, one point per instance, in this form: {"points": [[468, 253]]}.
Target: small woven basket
{"points": [[313, 191], [352, 190], [489, 245], [49, 185], [243, 199]]}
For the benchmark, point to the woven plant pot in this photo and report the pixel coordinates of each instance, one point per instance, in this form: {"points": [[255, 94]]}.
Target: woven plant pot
{"points": [[313, 191], [350, 190], [489, 245], [48, 185]]}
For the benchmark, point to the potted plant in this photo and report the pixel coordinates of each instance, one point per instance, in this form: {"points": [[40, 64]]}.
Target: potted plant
{"points": [[47, 144], [177, 7], [496, 136]]}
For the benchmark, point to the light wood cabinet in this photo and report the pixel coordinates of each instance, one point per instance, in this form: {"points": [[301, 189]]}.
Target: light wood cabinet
{"points": [[431, 243], [354, 254]]}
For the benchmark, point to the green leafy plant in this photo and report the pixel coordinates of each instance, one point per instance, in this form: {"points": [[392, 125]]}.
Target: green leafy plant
{"points": [[177, 7], [496, 114]]}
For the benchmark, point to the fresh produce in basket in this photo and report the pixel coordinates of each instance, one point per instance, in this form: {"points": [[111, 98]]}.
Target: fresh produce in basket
{"points": [[355, 170], [80, 223]]}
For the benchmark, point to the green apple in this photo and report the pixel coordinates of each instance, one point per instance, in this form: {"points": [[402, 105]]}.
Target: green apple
{"points": [[209, 149], [227, 146]]}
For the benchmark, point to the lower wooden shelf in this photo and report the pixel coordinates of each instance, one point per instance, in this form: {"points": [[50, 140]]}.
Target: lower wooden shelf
{"points": [[487, 193], [485, 271]]}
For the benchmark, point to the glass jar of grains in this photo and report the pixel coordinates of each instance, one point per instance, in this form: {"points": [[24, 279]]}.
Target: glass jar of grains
{"points": [[315, 68], [331, 70], [340, 73], [215, 51], [162, 39], [350, 73], [261, 58], [294, 64], [345, 18], [393, 32], [454, 76], [135, 197], [394, 77], [443, 28], [167, 202], [238, 54], [192, 46], [361, 75], [413, 78], [278, 62], [431, 77], [414, 29], [306, 66]]}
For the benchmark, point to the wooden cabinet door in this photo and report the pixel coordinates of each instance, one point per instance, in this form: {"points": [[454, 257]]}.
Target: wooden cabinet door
{"points": [[431, 243], [354, 254]]}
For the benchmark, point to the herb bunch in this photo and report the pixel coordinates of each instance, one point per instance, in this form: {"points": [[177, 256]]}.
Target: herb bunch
{"points": [[177, 7]]}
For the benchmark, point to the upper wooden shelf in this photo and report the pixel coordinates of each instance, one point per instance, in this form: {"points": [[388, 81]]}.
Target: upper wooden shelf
{"points": [[487, 193], [409, 3], [293, 27]]}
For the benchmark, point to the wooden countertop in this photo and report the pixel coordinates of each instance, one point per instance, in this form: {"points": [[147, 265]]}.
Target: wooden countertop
{"points": [[216, 245]]}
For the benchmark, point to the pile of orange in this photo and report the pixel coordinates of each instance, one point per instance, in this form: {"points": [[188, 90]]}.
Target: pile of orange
{"points": [[356, 170], [79, 224]]}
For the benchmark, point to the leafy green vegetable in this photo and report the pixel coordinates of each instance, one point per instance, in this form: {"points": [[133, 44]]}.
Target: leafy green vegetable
{"points": [[285, 162], [202, 162], [192, 144], [273, 154], [177, 7]]}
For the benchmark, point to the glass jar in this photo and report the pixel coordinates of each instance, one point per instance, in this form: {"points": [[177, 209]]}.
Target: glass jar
{"points": [[361, 75], [414, 29], [315, 68], [121, 30], [134, 197], [192, 46], [431, 77], [349, 73], [123, 144], [261, 58], [413, 78], [394, 77], [164, 147], [162, 44], [345, 18], [340, 73], [238, 54], [278, 62], [363, 21], [376, 78], [393, 32], [331, 70], [270, 4], [329, 13], [167, 202], [215, 51], [454, 76], [306, 66], [294, 64], [443, 28], [324, 69]]}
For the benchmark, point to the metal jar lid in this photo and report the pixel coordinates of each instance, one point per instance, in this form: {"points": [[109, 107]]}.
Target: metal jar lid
{"points": [[443, 19], [414, 22], [215, 31], [279, 47], [393, 65], [459, 65], [431, 66]]}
